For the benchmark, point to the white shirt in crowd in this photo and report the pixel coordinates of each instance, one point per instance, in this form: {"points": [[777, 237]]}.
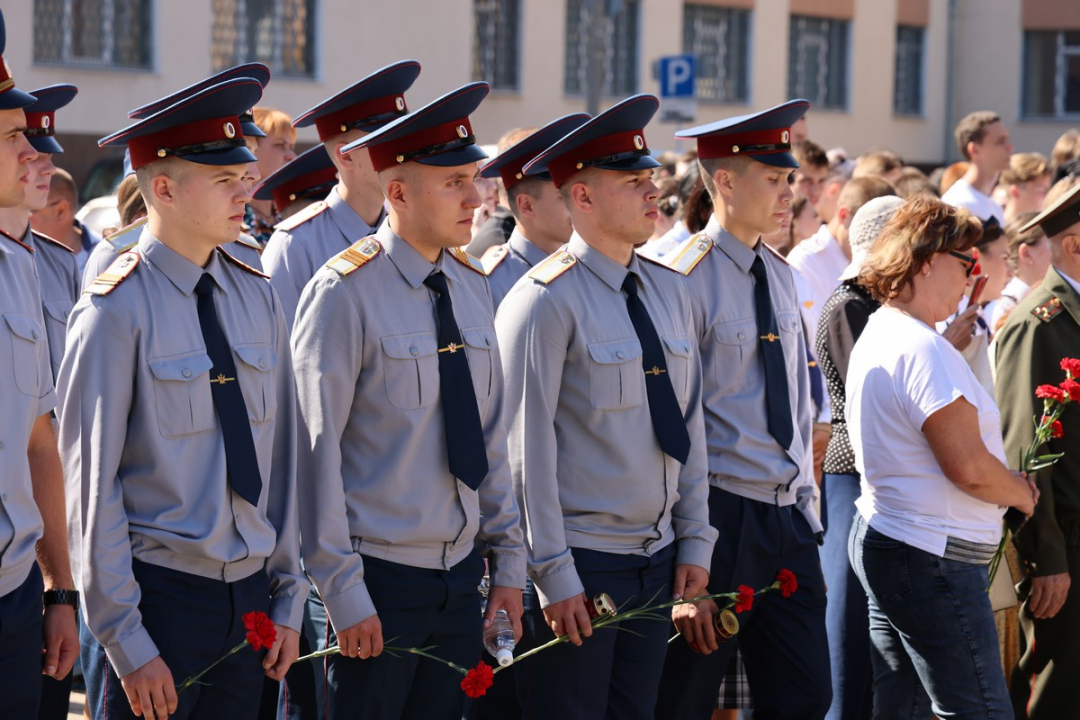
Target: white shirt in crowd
{"points": [[981, 205], [1015, 291], [656, 249], [901, 372], [820, 261]]}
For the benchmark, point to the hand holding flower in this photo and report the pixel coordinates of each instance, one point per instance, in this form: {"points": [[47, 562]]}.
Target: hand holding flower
{"points": [[282, 654], [695, 622]]}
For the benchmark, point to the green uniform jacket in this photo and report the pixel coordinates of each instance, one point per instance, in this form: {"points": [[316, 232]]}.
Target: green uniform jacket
{"points": [[1040, 331]]}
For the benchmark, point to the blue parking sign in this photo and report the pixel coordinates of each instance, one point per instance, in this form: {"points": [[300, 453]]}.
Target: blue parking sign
{"points": [[677, 76]]}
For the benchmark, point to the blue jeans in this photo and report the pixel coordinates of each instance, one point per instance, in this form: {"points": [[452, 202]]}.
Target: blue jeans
{"points": [[846, 618], [935, 646]]}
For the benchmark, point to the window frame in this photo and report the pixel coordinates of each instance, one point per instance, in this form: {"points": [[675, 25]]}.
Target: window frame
{"points": [[69, 61], [1062, 52], [746, 61], [920, 74], [844, 106], [517, 44], [615, 92], [314, 32]]}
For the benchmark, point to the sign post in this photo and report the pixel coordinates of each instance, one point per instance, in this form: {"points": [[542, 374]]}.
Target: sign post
{"points": [[678, 102]]}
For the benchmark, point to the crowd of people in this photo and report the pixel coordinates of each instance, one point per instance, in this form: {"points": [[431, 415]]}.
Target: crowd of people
{"points": [[391, 390]]}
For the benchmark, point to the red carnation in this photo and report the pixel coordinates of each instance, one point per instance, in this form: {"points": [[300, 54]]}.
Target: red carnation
{"points": [[787, 581], [260, 630], [478, 680], [1072, 389], [1071, 366], [1056, 430], [1050, 392], [744, 599]]}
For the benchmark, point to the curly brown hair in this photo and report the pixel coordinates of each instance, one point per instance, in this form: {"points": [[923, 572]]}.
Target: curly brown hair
{"points": [[921, 228]]}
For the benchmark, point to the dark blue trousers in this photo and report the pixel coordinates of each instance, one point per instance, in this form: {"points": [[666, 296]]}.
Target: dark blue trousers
{"points": [[20, 648], [417, 608], [782, 640], [301, 695], [193, 621], [846, 617], [615, 673]]}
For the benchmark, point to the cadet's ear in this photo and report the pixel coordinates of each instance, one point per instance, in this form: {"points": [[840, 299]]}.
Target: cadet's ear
{"points": [[525, 206], [581, 196], [395, 192], [163, 189], [725, 181]]}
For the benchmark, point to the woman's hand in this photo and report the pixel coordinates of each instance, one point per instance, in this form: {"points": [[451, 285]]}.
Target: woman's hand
{"points": [[1033, 489]]}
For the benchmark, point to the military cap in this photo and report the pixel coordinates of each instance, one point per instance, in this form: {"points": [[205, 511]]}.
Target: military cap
{"points": [[510, 163], [1059, 217], [764, 136], [41, 116], [307, 175], [367, 105], [203, 128], [11, 97], [437, 134], [256, 71], [613, 140]]}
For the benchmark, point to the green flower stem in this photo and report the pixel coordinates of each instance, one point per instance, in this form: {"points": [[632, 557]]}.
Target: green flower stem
{"points": [[195, 678]]}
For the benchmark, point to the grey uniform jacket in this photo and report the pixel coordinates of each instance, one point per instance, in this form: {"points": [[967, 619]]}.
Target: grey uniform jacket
{"points": [[506, 264], [372, 439], [58, 277], [743, 457], [304, 242], [587, 467], [142, 446], [26, 393]]}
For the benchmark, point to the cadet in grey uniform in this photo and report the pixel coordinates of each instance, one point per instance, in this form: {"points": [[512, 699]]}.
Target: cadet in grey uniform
{"points": [[33, 538], [178, 432], [407, 486], [607, 442], [758, 425], [543, 223], [303, 243]]}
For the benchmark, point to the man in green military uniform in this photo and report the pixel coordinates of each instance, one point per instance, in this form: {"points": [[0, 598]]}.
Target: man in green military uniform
{"points": [[1043, 329]]}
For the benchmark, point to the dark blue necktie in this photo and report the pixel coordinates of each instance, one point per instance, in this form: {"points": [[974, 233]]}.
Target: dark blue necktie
{"points": [[241, 462], [465, 447], [817, 383], [777, 402], [667, 418]]}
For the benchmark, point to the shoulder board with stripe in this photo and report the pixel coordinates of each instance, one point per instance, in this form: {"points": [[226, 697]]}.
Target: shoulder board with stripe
{"points": [[468, 260], [242, 265], [493, 256], [125, 238], [297, 219], [115, 274], [776, 253], [355, 257], [686, 257], [1048, 310], [18, 242], [554, 266], [245, 239], [52, 241]]}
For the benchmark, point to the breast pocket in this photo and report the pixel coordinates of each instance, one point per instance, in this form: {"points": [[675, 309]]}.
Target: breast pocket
{"points": [[678, 363], [479, 344], [616, 378], [56, 318], [790, 326], [182, 390], [734, 343], [411, 370], [256, 376], [26, 338]]}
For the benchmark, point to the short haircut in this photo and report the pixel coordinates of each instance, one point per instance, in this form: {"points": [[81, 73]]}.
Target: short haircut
{"points": [[972, 129], [860, 191], [1031, 236], [1065, 149], [274, 122], [709, 166], [173, 167], [879, 162], [512, 137], [809, 153], [913, 181], [1025, 167], [530, 186], [920, 229], [63, 187]]}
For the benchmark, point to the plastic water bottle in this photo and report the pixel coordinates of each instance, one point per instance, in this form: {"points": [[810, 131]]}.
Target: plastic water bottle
{"points": [[499, 638]]}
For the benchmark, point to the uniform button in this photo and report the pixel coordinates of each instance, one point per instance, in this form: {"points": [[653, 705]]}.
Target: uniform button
{"points": [[413, 350], [742, 336], [262, 363], [620, 354], [1, 446], [35, 334], [487, 341], [185, 372]]}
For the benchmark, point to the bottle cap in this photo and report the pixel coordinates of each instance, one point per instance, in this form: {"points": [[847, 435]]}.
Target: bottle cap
{"points": [[504, 657]]}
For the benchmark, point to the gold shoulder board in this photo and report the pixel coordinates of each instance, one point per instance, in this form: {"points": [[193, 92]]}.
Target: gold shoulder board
{"points": [[686, 257], [492, 257], [1048, 310], [242, 265], [468, 260], [554, 266], [355, 257], [124, 239], [297, 219], [245, 239], [115, 274]]}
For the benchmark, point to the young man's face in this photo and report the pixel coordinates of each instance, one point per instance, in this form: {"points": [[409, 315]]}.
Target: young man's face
{"points": [[1029, 195], [16, 152], [41, 172], [809, 182], [994, 151], [440, 202], [761, 197], [625, 203], [211, 199]]}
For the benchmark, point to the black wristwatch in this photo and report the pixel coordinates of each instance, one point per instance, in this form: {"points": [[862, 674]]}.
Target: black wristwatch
{"points": [[61, 597]]}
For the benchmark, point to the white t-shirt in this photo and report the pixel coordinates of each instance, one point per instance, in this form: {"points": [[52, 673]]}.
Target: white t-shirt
{"points": [[820, 260], [901, 372], [981, 205]]}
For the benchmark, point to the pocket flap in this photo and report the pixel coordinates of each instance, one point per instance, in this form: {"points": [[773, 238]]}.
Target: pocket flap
{"points": [[59, 310], [24, 326], [736, 332], [616, 351], [183, 368], [409, 347], [678, 346], [480, 337], [788, 321], [260, 356]]}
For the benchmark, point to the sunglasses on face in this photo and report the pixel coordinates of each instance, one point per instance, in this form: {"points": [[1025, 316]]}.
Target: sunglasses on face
{"points": [[972, 261]]}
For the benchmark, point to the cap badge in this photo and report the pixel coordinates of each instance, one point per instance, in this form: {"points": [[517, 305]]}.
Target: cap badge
{"points": [[399, 102], [230, 131], [785, 136], [462, 132], [45, 121], [639, 142]]}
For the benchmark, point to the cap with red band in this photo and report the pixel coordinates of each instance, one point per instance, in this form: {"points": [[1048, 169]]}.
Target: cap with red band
{"points": [[41, 116], [437, 134], [613, 140], [11, 97], [1063, 214], [764, 136], [310, 174], [510, 164], [255, 71], [367, 105]]}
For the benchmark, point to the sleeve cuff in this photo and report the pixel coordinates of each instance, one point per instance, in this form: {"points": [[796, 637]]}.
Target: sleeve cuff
{"points": [[507, 570], [288, 610], [350, 607], [131, 653], [694, 551], [1049, 564], [558, 586]]}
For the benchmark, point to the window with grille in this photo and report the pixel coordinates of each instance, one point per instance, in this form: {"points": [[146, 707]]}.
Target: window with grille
{"points": [[908, 80], [94, 33], [719, 38], [620, 33], [279, 33], [495, 42], [1052, 74], [819, 60]]}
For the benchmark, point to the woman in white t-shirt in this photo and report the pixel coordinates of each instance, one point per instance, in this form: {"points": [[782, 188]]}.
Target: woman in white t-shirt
{"points": [[927, 443]]}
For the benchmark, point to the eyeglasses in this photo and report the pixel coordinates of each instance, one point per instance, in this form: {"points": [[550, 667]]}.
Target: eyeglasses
{"points": [[972, 261]]}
